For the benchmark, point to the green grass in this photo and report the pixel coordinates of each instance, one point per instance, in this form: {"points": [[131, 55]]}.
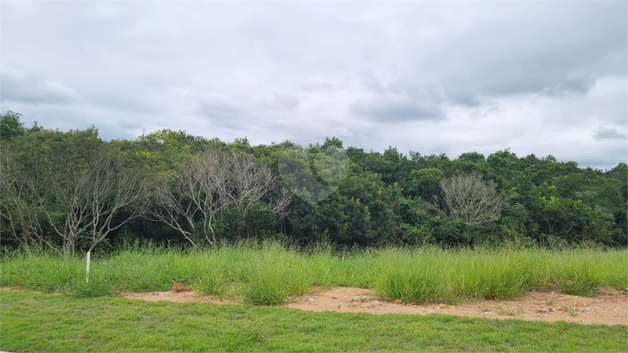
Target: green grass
{"points": [[434, 275], [44, 322], [270, 273]]}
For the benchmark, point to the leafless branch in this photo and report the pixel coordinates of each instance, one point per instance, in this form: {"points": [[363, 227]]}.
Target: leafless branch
{"points": [[208, 184], [471, 200]]}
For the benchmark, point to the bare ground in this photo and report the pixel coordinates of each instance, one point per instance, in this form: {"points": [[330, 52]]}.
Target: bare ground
{"points": [[610, 307]]}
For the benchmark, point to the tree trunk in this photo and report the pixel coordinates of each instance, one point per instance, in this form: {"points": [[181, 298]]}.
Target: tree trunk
{"points": [[68, 246]]}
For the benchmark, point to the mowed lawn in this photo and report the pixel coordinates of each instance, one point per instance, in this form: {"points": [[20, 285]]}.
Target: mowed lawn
{"points": [[57, 323]]}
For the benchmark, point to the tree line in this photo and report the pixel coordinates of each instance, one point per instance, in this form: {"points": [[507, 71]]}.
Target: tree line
{"points": [[73, 191]]}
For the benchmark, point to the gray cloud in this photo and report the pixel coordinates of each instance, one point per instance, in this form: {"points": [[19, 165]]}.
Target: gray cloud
{"points": [[540, 48], [222, 111], [116, 131], [609, 133], [216, 107], [604, 161], [281, 102], [123, 102], [31, 89], [396, 109], [580, 85], [398, 100], [423, 76]]}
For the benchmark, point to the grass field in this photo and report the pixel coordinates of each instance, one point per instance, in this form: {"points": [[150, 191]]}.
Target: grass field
{"points": [[268, 274], [45, 322]]}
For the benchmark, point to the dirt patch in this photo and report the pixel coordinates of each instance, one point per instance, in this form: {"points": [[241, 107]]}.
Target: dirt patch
{"points": [[180, 297], [609, 308]]}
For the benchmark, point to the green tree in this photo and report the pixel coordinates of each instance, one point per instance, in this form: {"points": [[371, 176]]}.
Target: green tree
{"points": [[11, 126]]}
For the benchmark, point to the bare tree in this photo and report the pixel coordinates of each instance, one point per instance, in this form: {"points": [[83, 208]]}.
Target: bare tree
{"points": [[280, 203], [72, 196], [65, 202], [92, 201], [20, 216], [471, 200], [196, 191], [249, 182], [42, 188], [170, 204], [190, 200], [111, 190]]}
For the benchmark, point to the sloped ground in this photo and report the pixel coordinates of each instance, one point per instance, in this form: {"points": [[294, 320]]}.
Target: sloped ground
{"points": [[610, 307]]}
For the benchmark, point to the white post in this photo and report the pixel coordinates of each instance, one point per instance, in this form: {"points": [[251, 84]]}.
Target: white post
{"points": [[87, 272]]}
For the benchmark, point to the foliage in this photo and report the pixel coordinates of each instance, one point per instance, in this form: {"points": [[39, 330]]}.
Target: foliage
{"points": [[325, 192], [11, 126]]}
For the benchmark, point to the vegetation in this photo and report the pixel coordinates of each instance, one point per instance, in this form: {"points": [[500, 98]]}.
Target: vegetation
{"points": [[73, 192], [36, 322], [271, 273], [264, 223]]}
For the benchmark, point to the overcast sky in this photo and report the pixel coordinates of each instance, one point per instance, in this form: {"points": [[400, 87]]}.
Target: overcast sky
{"points": [[433, 77]]}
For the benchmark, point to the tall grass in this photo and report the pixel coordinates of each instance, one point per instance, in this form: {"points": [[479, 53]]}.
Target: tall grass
{"points": [[270, 273], [431, 274]]}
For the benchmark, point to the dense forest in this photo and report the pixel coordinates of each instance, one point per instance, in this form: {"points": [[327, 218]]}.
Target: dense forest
{"points": [[73, 191]]}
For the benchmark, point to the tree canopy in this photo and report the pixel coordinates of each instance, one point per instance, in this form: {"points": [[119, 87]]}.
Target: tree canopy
{"points": [[73, 191]]}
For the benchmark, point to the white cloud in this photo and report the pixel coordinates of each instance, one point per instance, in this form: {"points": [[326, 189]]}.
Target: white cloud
{"points": [[432, 77]]}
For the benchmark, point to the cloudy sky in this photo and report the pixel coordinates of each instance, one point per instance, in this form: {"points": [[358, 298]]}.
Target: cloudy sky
{"points": [[434, 77]]}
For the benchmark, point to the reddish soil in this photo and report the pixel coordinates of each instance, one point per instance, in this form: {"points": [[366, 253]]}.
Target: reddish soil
{"points": [[180, 297], [610, 307]]}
